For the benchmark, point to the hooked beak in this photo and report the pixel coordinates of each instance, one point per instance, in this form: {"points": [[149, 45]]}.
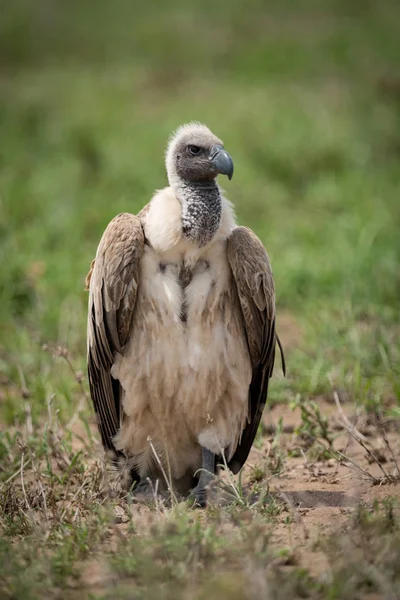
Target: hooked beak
{"points": [[221, 161]]}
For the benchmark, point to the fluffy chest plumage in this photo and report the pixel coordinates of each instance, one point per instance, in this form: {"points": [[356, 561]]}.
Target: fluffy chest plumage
{"points": [[187, 355], [181, 285]]}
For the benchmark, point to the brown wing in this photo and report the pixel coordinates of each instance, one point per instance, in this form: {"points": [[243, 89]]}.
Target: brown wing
{"points": [[112, 281], [252, 274]]}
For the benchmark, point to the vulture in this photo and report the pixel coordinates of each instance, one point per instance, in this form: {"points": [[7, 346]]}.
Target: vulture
{"points": [[181, 327]]}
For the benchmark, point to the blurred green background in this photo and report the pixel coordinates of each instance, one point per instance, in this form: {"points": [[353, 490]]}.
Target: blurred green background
{"points": [[305, 95]]}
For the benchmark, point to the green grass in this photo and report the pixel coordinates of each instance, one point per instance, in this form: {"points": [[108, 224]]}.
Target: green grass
{"points": [[306, 97]]}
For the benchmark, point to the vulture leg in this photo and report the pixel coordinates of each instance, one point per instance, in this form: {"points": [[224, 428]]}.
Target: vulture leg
{"points": [[199, 493]]}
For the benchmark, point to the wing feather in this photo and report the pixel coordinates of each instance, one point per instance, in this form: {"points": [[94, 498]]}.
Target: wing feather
{"points": [[254, 282], [112, 282]]}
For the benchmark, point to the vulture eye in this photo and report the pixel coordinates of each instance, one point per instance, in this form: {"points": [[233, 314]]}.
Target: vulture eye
{"points": [[194, 150]]}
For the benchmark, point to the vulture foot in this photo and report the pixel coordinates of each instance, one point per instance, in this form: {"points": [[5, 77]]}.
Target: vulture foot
{"points": [[207, 473], [199, 496]]}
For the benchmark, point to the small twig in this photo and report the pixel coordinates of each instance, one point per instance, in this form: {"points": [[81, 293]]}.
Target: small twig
{"points": [[345, 457], [14, 475], [346, 422], [169, 483], [41, 488], [388, 445], [43, 494], [344, 452], [74, 518], [169, 472], [370, 453], [154, 489], [363, 471], [64, 504], [79, 489], [357, 436], [22, 482]]}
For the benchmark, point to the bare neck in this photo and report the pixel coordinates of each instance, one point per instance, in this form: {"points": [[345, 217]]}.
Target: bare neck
{"points": [[201, 209]]}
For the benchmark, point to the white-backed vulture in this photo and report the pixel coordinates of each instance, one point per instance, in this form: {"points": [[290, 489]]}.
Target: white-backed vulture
{"points": [[181, 327]]}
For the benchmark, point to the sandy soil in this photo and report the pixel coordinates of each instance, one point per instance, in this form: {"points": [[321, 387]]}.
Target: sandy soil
{"points": [[321, 495]]}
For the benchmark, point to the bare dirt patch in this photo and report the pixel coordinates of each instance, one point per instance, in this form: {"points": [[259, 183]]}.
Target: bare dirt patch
{"points": [[320, 495]]}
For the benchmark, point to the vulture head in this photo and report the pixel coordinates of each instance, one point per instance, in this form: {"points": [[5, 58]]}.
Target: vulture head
{"points": [[195, 154]]}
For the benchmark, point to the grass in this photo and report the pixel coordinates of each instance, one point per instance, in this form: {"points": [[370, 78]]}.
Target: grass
{"points": [[307, 99]]}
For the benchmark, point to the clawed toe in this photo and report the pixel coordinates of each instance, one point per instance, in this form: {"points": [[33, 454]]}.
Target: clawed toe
{"points": [[199, 496]]}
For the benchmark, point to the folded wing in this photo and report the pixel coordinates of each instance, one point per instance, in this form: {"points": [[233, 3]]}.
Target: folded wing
{"points": [[113, 282], [252, 275]]}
